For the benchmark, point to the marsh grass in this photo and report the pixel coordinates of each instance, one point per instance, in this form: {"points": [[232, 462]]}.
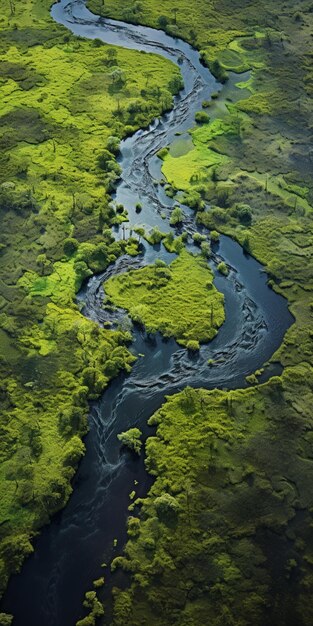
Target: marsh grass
{"points": [[178, 300], [62, 119]]}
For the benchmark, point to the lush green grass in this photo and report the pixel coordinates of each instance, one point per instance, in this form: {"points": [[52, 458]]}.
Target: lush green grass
{"points": [[178, 300], [223, 536], [60, 108]]}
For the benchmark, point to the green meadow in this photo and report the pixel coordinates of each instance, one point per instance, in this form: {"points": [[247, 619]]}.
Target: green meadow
{"points": [[178, 300]]}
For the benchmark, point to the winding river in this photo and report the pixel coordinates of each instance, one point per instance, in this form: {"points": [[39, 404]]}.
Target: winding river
{"points": [[70, 551]]}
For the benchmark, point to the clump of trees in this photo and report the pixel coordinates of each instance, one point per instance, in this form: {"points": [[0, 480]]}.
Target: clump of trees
{"points": [[131, 439], [201, 117]]}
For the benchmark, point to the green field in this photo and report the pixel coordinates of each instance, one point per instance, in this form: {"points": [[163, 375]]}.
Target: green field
{"points": [[178, 300]]}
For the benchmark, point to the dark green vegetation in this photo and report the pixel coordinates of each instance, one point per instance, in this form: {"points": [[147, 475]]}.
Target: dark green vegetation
{"points": [[178, 300], [236, 546], [65, 104], [131, 439], [224, 535]]}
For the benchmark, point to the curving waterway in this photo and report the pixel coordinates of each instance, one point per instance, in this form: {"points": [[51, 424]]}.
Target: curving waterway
{"points": [[70, 551]]}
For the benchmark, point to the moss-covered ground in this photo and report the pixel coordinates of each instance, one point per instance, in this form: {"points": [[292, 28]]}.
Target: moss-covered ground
{"points": [[246, 173], [178, 300], [224, 535], [65, 105]]}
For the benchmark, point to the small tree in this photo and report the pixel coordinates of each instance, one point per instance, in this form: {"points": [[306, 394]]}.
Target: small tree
{"points": [[175, 11], [167, 508], [43, 263], [176, 217], [111, 57], [70, 246], [222, 268], [163, 21], [140, 232], [131, 439], [215, 236], [246, 244]]}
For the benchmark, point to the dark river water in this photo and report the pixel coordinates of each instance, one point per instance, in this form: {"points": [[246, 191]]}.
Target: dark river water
{"points": [[70, 551]]}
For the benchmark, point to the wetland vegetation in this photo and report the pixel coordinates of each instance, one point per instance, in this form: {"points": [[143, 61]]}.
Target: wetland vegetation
{"points": [[65, 104], [224, 535], [178, 300]]}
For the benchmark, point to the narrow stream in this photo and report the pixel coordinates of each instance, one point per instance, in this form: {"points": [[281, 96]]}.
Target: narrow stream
{"points": [[70, 551]]}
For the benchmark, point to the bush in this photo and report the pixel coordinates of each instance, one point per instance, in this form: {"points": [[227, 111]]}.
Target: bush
{"points": [[202, 117], [113, 144], [198, 238], [99, 582], [244, 214], [193, 345], [206, 249], [175, 85], [156, 236], [70, 246], [167, 508], [131, 439], [176, 217], [222, 198], [162, 21], [215, 236], [218, 71], [162, 153], [5, 619]]}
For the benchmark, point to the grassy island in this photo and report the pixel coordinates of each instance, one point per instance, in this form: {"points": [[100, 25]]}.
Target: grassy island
{"points": [[178, 300]]}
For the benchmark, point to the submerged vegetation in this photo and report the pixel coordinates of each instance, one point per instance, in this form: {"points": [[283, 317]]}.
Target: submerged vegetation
{"points": [[65, 105], [178, 300]]}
